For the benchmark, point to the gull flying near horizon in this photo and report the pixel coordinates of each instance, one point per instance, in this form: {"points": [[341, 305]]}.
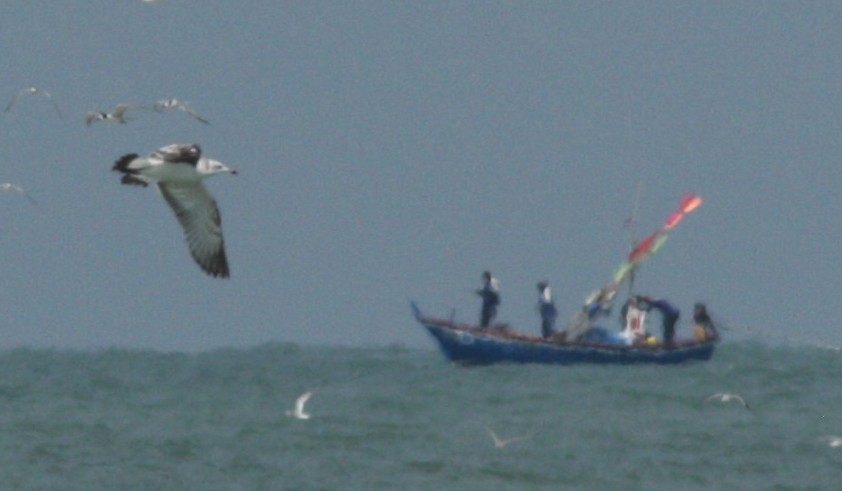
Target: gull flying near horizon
{"points": [[502, 442], [118, 115], [178, 170], [178, 104], [34, 91], [298, 411], [9, 187], [832, 440], [728, 397]]}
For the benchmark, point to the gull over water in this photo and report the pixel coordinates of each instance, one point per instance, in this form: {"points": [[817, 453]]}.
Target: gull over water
{"points": [[177, 171], [503, 442], [298, 411], [726, 397]]}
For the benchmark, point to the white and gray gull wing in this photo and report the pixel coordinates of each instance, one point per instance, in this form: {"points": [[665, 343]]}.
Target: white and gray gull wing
{"points": [[198, 215], [34, 90], [178, 170]]}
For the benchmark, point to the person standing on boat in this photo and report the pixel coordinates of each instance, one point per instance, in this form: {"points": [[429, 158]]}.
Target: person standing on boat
{"points": [[547, 309], [490, 293], [704, 330], [635, 316], [669, 316]]}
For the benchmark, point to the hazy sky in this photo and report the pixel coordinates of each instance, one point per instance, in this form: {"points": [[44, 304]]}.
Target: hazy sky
{"points": [[391, 151]]}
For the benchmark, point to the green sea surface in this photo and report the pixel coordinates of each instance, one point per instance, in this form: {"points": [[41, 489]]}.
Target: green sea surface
{"points": [[398, 419]]}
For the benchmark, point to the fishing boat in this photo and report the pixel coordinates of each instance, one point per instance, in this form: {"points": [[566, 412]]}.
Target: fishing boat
{"points": [[473, 345], [583, 340]]}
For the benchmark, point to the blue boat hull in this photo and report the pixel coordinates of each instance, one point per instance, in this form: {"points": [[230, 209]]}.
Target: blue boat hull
{"points": [[471, 345]]}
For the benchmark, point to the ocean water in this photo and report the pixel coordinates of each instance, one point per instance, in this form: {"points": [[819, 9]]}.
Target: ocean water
{"points": [[394, 418]]}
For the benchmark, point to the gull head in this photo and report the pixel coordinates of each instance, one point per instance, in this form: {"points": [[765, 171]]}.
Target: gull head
{"points": [[209, 167], [193, 151]]}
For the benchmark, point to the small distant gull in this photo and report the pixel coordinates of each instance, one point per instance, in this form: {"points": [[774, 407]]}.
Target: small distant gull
{"points": [[34, 91], [118, 115], [9, 187], [727, 397], [502, 442], [178, 104], [298, 411], [177, 170], [832, 441]]}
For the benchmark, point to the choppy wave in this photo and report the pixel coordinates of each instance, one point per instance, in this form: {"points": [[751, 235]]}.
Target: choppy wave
{"points": [[384, 418]]}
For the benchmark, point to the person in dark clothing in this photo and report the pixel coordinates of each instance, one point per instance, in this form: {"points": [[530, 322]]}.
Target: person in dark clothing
{"points": [[547, 309], [490, 293], [669, 316], [704, 330]]}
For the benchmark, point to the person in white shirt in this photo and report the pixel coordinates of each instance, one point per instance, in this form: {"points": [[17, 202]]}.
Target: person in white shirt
{"points": [[547, 309], [635, 316]]}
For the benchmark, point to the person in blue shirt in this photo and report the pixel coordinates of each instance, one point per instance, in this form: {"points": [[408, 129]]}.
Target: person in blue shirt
{"points": [[669, 316], [490, 293]]}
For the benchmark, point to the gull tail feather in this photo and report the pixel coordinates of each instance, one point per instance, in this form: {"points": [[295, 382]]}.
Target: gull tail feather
{"points": [[122, 164], [130, 176]]}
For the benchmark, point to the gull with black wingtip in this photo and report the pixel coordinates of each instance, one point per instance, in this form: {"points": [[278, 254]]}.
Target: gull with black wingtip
{"points": [[118, 115], [177, 170]]}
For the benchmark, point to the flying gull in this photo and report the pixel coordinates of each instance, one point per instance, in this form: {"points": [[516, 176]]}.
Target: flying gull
{"points": [[727, 397], [832, 441], [502, 442], [178, 104], [118, 115], [177, 170], [34, 91], [8, 187], [298, 412]]}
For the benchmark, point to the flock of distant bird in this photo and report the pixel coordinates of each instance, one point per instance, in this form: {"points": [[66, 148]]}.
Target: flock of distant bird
{"points": [[177, 171], [118, 114], [298, 412]]}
